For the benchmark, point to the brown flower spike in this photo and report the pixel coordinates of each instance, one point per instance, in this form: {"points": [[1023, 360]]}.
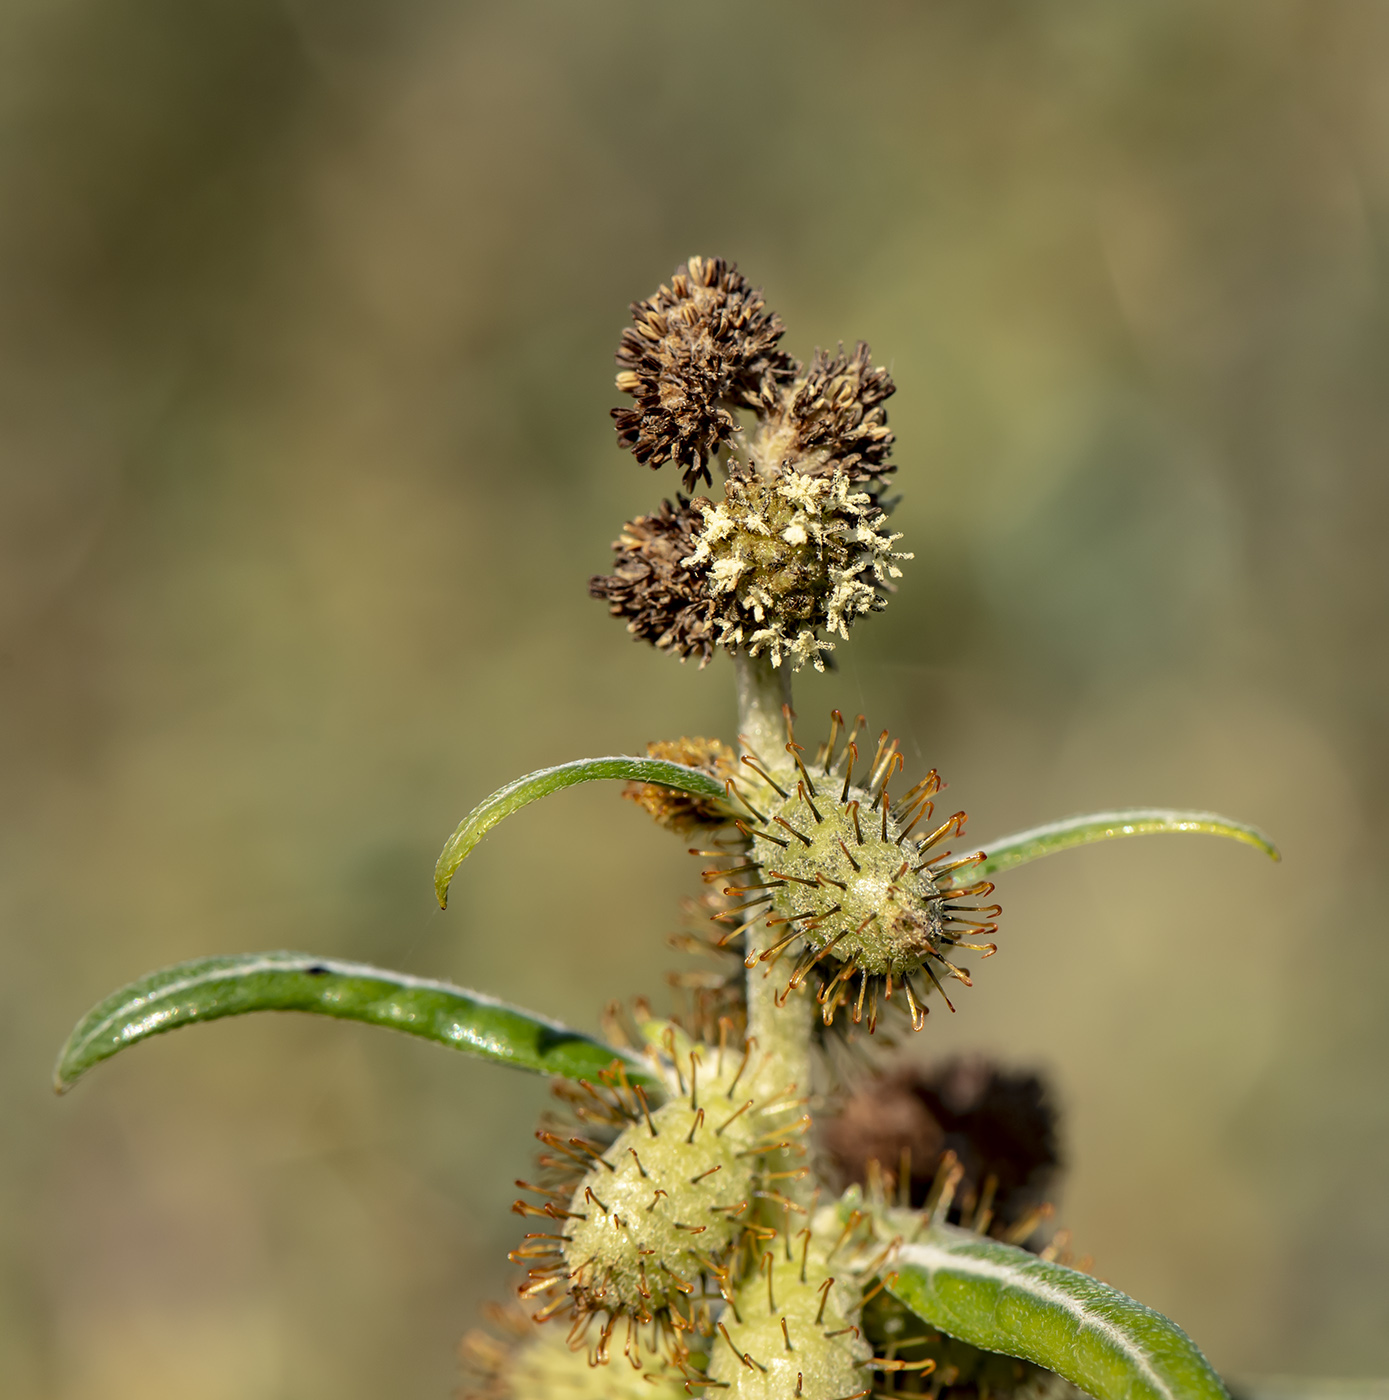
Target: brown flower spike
{"points": [[794, 550], [829, 418], [700, 347], [678, 811], [665, 601], [999, 1125]]}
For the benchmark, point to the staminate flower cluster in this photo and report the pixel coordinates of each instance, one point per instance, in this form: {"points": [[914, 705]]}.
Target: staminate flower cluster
{"points": [[790, 555], [794, 551]]}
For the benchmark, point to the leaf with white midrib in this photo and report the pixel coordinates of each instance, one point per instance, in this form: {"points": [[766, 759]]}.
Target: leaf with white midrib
{"points": [[208, 989], [1024, 846], [1003, 1299]]}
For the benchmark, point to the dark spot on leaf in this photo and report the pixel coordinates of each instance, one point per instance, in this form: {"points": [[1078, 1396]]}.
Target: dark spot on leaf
{"points": [[549, 1040]]}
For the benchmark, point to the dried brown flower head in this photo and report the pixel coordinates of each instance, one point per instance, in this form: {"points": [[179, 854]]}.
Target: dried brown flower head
{"points": [[794, 551], [974, 1144], [681, 812], [699, 348], [665, 601], [789, 556], [829, 418], [1000, 1124]]}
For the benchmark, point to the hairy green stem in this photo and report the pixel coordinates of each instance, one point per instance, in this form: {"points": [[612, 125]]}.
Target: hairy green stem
{"points": [[782, 1032], [762, 690]]}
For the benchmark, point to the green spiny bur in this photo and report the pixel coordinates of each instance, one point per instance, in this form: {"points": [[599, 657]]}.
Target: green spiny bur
{"points": [[888, 913], [793, 1329], [850, 880], [652, 1222], [663, 1202], [545, 1365]]}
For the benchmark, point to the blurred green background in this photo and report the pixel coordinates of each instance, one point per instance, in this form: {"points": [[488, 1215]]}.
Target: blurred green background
{"points": [[305, 361]]}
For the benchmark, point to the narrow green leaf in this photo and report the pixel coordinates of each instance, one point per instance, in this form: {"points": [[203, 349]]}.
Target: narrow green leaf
{"points": [[1018, 849], [210, 988], [1003, 1299], [518, 793]]}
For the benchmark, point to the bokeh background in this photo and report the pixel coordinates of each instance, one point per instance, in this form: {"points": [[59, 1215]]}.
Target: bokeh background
{"points": [[305, 360]]}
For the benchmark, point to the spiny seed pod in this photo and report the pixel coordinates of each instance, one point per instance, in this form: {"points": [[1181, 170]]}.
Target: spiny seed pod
{"points": [[829, 418], [842, 878], [533, 1363], [652, 1217], [715, 990], [792, 1330], [677, 811], [698, 348], [790, 556], [665, 602]]}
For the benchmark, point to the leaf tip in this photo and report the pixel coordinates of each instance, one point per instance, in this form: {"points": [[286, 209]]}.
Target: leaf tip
{"points": [[1260, 840], [63, 1075], [443, 878]]}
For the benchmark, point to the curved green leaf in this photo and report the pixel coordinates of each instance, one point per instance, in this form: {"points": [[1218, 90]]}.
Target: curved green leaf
{"points": [[518, 793], [1039, 841], [1003, 1299], [210, 988]]}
